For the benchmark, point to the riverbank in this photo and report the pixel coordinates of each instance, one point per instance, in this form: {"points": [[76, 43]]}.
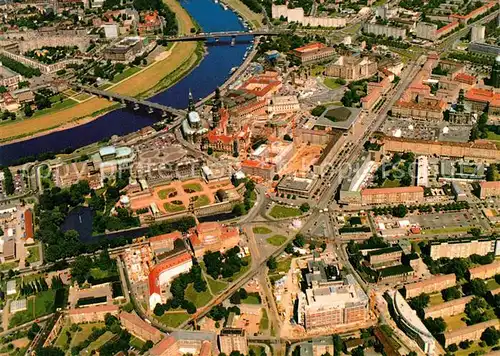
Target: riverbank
{"points": [[182, 58], [253, 19]]}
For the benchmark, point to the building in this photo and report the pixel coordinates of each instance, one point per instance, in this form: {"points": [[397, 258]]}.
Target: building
{"points": [[164, 243], [111, 30], [314, 52], [163, 273], [139, 328], [471, 333], [92, 314], [431, 32], [283, 104], [495, 73], [385, 30], [152, 22], [462, 248], [398, 195], [8, 78], [28, 225], [11, 287], [410, 323], [352, 68], [258, 168], [477, 33], [450, 308], [385, 256], [489, 189], [481, 99], [297, 15], [182, 342], [213, 236], [331, 301], [485, 271], [431, 285], [298, 186], [350, 189], [125, 50], [484, 48], [233, 339]]}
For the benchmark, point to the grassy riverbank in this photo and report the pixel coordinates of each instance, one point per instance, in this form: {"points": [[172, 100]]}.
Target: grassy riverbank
{"points": [[158, 76]]}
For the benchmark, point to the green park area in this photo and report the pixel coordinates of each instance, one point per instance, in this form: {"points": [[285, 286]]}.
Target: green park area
{"points": [[201, 200], [261, 230], [332, 83], [33, 254], [71, 336], [67, 103], [264, 321], [283, 266], [99, 343], [199, 299], [164, 193], [174, 319], [125, 74], [447, 230], [391, 183], [137, 343], [252, 298], [276, 240], [173, 208], [41, 304], [280, 212], [192, 187], [8, 265]]}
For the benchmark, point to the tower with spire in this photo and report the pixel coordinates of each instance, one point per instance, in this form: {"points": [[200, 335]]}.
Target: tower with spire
{"points": [[191, 106], [495, 73]]}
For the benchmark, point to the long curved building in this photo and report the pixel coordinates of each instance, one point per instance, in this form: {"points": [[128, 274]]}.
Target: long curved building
{"points": [[410, 323]]}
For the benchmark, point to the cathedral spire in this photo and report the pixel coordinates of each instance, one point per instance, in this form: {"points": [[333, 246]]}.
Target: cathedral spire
{"points": [[191, 101]]}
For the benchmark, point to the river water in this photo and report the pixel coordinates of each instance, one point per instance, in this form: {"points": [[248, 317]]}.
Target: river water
{"points": [[212, 72]]}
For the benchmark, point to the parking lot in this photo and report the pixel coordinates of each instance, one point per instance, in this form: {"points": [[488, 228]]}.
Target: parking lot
{"points": [[458, 221]]}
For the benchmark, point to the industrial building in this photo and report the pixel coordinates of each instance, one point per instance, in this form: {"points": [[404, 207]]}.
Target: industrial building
{"points": [[139, 328], [125, 50], [91, 314], [181, 342]]}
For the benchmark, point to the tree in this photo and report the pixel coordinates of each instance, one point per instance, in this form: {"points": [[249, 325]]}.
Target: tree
{"points": [[451, 293], [477, 287], [338, 345], [400, 211], [453, 348], [475, 231], [318, 110], [147, 345], [436, 326], [80, 268], [358, 351], [304, 207], [49, 351], [210, 151], [28, 111], [490, 336], [272, 264], [478, 310], [239, 210], [420, 302], [299, 240]]}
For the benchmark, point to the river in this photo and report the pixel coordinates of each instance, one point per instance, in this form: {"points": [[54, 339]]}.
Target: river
{"points": [[212, 72]]}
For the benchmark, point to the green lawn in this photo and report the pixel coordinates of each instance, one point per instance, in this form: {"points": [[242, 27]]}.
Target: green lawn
{"points": [[454, 322], [436, 299], [391, 183], [201, 201], [40, 305], [264, 321], [62, 339], [446, 230], [82, 96], [252, 298], [280, 211], [100, 342], [82, 335], [216, 286], [283, 267], [55, 107], [173, 208], [199, 299], [493, 136], [242, 271], [163, 194], [196, 187], [492, 284], [8, 265], [98, 273], [317, 70], [125, 74], [277, 240], [136, 342], [331, 83], [262, 230], [174, 319], [474, 349]]}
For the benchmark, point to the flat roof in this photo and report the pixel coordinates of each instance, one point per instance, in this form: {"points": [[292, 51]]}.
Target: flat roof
{"points": [[340, 111]]}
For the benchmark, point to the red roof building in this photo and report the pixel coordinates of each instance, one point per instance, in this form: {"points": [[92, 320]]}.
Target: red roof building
{"points": [[139, 328], [164, 272], [313, 52], [28, 224], [212, 236], [152, 22], [165, 242]]}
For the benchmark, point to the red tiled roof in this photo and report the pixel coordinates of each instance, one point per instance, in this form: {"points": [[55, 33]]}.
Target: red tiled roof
{"points": [[28, 224], [162, 346], [205, 349], [483, 95], [170, 236], [255, 164], [310, 47], [95, 309], [490, 184], [374, 191], [167, 264], [134, 319], [213, 137], [448, 26], [465, 77]]}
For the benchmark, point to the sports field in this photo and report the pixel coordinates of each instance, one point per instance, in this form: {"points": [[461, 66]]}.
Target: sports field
{"points": [[158, 75]]}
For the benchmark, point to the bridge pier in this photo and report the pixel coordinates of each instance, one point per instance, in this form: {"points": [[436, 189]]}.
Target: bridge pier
{"points": [[136, 106], [233, 40], [150, 110], [164, 114]]}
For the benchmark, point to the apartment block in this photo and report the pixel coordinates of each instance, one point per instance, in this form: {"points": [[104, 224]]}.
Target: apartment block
{"points": [[392, 195], [139, 328], [486, 271], [489, 189], [431, 285], [91, 314], [385, 256], [233, 339], [461, 248], [385, 30], [472, 332], [453, 307]]}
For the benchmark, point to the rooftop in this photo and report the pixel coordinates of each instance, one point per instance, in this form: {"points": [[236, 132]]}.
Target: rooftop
{"points": [[310, 47], [431, 281], [338, 117], [396, 190]]}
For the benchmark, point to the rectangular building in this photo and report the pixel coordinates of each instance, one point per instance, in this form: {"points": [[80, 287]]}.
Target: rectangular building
{"points": [[385, 30], [486, 271], [91, 314], [392, 195], [301, 187], [139, 328], [385, 255], [472, 332], [489, 189], [314, 52], [431, 285], [453, 307], [283, 104], [461, 248], [233, 339]]}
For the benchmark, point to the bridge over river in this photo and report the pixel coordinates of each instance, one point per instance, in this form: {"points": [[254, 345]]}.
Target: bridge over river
{"points": [[136, 103], [217, 35]]}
